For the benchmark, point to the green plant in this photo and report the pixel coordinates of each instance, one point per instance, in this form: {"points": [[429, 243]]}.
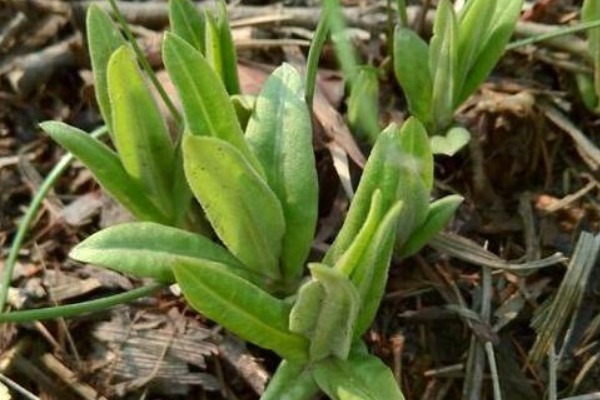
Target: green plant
{"points": [[257, 186], [438, 77]]}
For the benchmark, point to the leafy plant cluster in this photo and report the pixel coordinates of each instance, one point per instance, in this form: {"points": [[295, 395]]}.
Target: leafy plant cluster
{"points": [[227, 208]]}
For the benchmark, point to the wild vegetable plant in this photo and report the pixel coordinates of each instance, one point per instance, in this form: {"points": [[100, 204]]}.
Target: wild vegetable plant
{"points": [[438, 77], [256, 183]]}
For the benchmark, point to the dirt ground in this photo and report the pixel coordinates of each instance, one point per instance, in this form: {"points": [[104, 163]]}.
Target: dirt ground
{"points": [[502, 280]]}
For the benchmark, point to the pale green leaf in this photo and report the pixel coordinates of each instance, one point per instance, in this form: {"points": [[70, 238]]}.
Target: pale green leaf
{"points": [[207, 108], [139, 130], [150, 250], [443, 66], [227, 49], [243, 308], [504, 22], [411, 66], [104, 164], [382, 171], [455, 139], [291, 381], [440, 213], [358, 378], [363, 103], [187, 23], [103, 40], [243, 210], [279, 132], [414, 140]]}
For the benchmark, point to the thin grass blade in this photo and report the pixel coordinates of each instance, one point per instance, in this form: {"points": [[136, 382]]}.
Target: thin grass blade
{"points": [[187, 23]]}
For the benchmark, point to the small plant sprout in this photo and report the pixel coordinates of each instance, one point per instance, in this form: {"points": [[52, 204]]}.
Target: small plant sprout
{"points": [[256, 184], [438, 77]]}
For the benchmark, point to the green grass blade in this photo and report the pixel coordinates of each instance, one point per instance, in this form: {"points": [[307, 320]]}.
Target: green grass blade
{"points": [[241, 307], [141, 136], [106, 168], [150, 250], [187, 23], [103, 40], [314, 54], [207, 108], [590, 11], [411, 67], [280, 134], [85, 307], [243, 210]]}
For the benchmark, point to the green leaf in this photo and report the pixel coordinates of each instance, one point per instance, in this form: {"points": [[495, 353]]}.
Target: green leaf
{"points": [[150, 250], [241, 307], [382, 171], [371, 275], [504, 22], [440, 213], [291, 381], [414, 140], [243, 210], [207, 108], [103, 40], [187, 23], [325, 312], [475, 26], [227, 54], [455, 139], [415, 202], [363, 103], [280, 134], [243, 105], [587, 91], [140, 133], [358, 378], [353, 257], [443, 66], [104, 164], [411, 66]]}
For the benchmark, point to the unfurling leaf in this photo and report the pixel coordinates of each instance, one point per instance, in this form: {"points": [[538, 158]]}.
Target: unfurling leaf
{"points": [[326, 312]]}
